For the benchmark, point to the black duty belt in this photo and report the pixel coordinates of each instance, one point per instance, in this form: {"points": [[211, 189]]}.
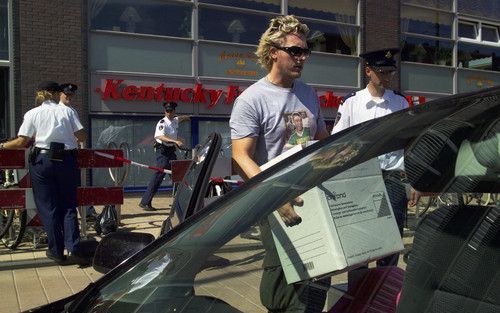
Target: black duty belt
{"points": [[72, 152], [169, 146]]}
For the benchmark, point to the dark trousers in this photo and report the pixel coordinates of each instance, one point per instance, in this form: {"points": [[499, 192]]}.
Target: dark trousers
{"points": [[55, 186], [399, 201], [276, 294], [396, 191], [163, 157]]}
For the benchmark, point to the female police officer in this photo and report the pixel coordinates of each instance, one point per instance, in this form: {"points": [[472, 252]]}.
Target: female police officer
{"points": [[53, 168]]}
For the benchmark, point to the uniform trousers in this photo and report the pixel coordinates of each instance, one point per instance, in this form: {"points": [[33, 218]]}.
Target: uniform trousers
{"points": [[55, 186], [396, 189], [164, 155]]}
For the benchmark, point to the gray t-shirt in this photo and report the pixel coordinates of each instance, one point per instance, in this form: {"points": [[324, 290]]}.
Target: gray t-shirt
{"points": [[271, 113]]}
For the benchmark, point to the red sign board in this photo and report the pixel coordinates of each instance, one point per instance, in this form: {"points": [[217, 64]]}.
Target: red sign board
{"points": [[116, 89]]}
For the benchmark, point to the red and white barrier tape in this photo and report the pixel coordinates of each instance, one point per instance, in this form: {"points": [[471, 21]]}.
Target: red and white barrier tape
{"points": [[222, 180], [113, 157]]}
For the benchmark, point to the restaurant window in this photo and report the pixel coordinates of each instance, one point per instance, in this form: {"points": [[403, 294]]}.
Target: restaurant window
{"points": [[222, 24], [4, 30], [482, 9], [426, 22], [428, 51], [445, 5], [138, 135], [150, 17], [477, 56], [268, 5], [467, 30], [337, 33], [340, 11], [489, 33], [341, 39], [427, 33]]}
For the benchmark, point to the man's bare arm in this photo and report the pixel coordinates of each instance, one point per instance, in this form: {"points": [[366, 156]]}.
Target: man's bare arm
{"points": [[243, 151]]}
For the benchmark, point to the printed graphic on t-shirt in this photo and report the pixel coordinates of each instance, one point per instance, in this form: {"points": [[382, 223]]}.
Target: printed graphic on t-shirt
{"points": [[298, 127]]}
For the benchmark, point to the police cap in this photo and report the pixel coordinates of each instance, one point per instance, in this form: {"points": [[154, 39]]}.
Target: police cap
{"points": [[69, 89], [49, 86], [170, 106], [380, 58]]}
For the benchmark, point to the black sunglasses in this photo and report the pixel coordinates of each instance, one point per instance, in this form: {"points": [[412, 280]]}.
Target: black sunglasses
{"points": [[295, 51]]}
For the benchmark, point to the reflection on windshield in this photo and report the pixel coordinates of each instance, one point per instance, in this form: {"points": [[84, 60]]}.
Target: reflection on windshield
{"points": [[153, 270], [138, 284]]}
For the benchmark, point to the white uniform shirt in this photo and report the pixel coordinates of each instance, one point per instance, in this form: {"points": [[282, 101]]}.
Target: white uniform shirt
{"points": [[51, 122], [72, 108], [363, 107], [166, 127]]}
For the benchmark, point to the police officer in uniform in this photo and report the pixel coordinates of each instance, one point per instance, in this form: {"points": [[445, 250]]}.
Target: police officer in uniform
{"points": [[165, 146], [374, 101], [53, 168], [68, 91]]}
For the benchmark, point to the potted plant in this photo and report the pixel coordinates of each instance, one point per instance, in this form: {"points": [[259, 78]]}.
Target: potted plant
{"points": [[443, 56], [418, 53]]}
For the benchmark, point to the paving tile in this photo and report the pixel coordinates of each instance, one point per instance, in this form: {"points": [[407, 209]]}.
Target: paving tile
{"points": [[29, 289], [53, 283], [9, 301], [77, 278], [5, 255]]}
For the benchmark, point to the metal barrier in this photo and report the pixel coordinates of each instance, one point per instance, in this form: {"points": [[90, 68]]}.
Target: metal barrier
{"points": [[21, 197]]}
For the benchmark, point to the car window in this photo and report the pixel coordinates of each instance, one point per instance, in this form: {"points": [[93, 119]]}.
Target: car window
{"points": [[191, 190], [212, 256]]}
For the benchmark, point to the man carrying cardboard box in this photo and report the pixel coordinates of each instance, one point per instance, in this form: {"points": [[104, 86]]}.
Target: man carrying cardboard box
{"points": [[259, 133]]}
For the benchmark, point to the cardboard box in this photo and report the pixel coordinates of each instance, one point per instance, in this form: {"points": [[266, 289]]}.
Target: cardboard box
{"points": [[347, 221]]}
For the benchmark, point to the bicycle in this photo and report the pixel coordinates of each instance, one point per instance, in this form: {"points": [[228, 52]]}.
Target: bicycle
{"points": [[12, 221]]}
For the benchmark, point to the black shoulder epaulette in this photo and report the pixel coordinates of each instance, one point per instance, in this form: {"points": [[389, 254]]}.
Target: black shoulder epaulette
{"points": [[399, 94], [347, 97]]}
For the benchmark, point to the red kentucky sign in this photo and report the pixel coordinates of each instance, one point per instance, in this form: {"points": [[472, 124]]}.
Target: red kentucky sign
{"points": [[116, 89]]}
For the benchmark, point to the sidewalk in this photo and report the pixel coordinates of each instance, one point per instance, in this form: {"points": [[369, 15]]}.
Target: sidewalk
{"points": [[29, 279]]}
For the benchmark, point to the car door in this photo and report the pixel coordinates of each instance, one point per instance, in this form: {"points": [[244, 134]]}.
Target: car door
{"points": [[191, 190]]}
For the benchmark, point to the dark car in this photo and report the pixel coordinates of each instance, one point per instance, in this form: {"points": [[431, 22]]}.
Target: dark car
{"points": [[452, 145]]}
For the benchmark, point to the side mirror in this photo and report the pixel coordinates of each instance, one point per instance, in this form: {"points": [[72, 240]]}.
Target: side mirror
{"points": [[117, 247]]}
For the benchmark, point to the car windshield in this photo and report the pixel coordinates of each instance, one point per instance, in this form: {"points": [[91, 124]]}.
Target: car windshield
{"points": [[208, 254]]}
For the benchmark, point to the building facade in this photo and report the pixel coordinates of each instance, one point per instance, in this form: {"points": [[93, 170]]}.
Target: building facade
{"points": [[127, 57]]}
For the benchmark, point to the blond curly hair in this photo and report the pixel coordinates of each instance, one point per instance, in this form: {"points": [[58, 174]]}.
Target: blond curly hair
{"points": [[278, 28], [44, 95]]}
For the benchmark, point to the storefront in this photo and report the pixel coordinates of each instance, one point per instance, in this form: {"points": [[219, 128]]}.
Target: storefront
{"points": [[128, 57], [202, 63], [449, 46]]}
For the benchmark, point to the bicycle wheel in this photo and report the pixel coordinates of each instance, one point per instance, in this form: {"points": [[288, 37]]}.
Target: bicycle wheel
{"points": [[6, 217], [15, 233]]}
